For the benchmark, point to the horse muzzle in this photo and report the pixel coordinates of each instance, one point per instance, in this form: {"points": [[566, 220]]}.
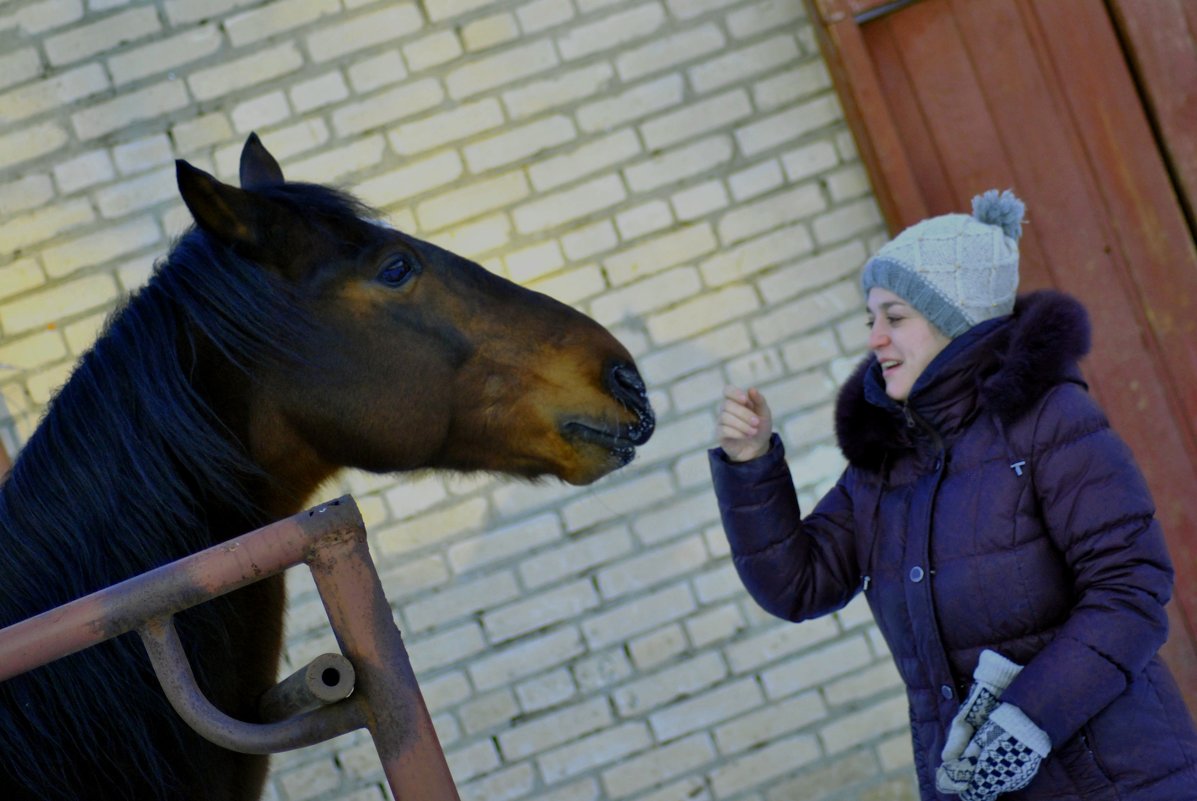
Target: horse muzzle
{"points": [[618, 438]]}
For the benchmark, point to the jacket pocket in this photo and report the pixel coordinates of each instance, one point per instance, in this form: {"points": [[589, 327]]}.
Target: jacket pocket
{"points": [[1082, 770]]}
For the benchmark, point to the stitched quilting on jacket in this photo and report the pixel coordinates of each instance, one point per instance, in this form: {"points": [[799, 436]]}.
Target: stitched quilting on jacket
{"points": [[995, 509]]}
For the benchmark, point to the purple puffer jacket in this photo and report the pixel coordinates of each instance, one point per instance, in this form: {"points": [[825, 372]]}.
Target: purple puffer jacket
{"points": [[996, 510]]}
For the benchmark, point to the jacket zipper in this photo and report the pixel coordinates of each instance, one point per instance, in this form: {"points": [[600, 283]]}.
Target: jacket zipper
{"points": [[914, 421]]}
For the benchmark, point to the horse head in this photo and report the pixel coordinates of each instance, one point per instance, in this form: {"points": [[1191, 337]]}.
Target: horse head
{"points": [[412, 356]]}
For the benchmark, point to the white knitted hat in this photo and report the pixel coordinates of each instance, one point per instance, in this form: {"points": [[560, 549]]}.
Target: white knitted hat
{"points": [[957, 270]]}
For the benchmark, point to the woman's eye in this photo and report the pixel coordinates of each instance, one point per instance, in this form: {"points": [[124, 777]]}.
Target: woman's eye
{"points": [[396, 270]]}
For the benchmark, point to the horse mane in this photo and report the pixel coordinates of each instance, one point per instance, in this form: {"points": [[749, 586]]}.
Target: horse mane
{"points": [[129, 469]]}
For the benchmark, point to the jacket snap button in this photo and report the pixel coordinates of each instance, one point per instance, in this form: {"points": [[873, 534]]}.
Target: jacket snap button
{"points": [[916, 574], [947, 692]]}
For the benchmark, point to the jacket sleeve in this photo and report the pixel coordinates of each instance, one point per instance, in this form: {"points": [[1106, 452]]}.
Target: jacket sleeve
{"points": [[1099, 513], [795, 569]]}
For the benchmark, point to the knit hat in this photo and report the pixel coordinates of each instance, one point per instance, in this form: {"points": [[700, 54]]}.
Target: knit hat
{"points": [[957, 270]]}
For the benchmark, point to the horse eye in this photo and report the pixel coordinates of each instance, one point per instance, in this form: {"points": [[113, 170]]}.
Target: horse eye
{"points": [[396, 270]]}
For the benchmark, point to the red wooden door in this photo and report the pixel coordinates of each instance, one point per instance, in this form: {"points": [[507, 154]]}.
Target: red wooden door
{"points": [[1160, 38], [947, 98]]}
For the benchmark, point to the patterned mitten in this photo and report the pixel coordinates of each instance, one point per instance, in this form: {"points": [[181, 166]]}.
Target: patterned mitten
{"points": [[1007, 750], [993, 675]]}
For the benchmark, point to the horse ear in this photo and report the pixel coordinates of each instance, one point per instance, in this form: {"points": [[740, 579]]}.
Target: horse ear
{"points": [[224, 211], [258, 167]]}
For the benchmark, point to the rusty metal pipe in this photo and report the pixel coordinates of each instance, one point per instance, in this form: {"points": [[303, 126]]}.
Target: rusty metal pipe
{"points": [[325, 680], [172, 588], [178, 682], [365, 629]]}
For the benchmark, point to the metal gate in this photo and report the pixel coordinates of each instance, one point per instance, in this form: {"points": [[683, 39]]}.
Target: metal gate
{"points": [[369, 685]]}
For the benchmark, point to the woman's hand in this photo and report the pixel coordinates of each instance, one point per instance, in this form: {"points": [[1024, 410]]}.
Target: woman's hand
{"points": [[744, 425]]}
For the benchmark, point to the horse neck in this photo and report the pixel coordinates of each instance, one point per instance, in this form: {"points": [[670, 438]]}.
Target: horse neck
{"points": [[86, 506], [290, 470]]}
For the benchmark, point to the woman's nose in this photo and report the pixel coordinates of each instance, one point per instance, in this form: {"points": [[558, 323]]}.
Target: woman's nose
{"points": [[877, 338]]}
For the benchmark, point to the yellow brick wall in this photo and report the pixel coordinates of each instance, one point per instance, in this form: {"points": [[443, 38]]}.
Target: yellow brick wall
{"points": [[679, 169]]}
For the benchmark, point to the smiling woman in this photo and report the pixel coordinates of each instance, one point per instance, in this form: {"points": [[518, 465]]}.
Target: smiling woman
{"points": [[999, 529]]}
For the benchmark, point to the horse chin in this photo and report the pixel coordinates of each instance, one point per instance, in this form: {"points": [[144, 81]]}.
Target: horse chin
{"points": [[601, 449], [593, 464]]}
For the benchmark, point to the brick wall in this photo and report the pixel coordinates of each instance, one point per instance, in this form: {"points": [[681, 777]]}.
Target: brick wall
{"points": [[680, 170]]}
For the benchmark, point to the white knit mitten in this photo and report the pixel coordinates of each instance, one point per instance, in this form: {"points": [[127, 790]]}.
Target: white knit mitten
{"points": [[1006, 754], [991, 677]]}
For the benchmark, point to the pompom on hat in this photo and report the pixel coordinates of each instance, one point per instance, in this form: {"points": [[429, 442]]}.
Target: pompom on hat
{"points": [[957, 270]]}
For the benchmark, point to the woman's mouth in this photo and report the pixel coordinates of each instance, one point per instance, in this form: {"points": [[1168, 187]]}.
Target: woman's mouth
{"points": [[889, 365]]}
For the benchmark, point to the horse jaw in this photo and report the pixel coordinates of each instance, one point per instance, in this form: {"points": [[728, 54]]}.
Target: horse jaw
{"points": [[295, 469]]}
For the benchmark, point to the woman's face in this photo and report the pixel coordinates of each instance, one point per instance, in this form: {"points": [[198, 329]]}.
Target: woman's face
{"points": [[902, 340]]}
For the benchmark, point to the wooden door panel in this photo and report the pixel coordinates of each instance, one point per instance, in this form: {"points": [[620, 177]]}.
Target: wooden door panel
{"points": [[943, 79], [931, 179], [863, 99], [1149, 229], [1161, 39], [941, 111]]}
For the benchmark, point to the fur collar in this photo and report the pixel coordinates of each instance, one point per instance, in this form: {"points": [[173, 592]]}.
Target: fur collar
{"points": [[1034, 349]]}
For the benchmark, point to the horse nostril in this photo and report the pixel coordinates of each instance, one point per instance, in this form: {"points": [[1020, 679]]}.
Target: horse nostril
{"points": [[626, 385]]}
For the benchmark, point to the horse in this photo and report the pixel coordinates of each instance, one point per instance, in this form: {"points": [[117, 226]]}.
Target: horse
{"points": [[285, 335]]}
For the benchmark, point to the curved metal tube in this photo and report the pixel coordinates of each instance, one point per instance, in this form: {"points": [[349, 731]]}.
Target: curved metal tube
{"points": [[178, 681], [325, 680]]}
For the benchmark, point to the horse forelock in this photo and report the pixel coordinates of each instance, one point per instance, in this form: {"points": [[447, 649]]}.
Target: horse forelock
{"points": [[333, 209]]}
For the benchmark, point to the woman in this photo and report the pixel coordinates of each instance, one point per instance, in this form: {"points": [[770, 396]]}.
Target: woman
{"points": [[1000, 530]]}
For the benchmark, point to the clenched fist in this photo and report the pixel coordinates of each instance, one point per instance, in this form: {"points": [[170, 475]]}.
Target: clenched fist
{"points": [[744, 425]]}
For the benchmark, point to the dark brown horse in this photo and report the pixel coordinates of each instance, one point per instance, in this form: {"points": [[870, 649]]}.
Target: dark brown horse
{"points": [[286, 335]]}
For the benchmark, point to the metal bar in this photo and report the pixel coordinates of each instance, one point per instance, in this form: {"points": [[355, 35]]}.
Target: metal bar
{"points": [[325, 680], [882, 10], [398, 719], [172, 588], [178, 682]]}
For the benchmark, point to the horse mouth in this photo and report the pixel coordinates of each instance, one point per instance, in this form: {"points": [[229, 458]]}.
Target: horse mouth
{"points": [[618, 440]]}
